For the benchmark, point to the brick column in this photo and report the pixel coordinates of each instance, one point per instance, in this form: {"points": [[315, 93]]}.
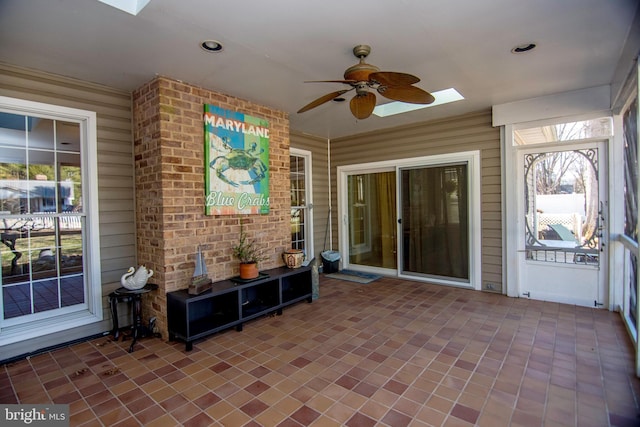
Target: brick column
{"points": [[169, 179]]}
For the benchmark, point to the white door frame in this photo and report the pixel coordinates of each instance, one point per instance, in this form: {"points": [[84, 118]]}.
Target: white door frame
{"points": [[513, 221], [472, 158]]}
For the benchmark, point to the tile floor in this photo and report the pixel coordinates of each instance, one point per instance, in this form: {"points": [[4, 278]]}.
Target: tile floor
{"points": [[391, 352]]}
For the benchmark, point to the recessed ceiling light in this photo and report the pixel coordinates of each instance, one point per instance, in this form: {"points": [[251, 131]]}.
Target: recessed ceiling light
{"points": [[339, 99], [211, 45], [523, 48], [442, 97]]}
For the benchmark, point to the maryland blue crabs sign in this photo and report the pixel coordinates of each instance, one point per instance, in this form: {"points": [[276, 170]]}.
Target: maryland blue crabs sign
{"points": [[236, 162]]}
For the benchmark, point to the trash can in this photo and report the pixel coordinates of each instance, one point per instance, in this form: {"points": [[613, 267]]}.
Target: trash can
{"points": [[330, 262]]}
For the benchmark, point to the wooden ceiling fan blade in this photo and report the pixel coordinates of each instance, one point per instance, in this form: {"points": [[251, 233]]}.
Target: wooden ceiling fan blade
{"points": [[391, 78], [410, 94], [348, 82], [326, 98], [362, 105]]}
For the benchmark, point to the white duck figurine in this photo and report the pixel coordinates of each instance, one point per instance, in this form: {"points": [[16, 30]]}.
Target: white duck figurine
{"points": [[133, 279]]}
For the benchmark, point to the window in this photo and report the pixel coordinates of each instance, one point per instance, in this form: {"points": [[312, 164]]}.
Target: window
{"points": [[49, 240], [301, 204], [564, 132]]}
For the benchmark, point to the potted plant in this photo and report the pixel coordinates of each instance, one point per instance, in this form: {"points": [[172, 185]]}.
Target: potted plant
{"points": [[249, 254]]}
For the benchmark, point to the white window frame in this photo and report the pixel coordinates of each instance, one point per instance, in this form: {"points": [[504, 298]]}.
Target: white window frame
{"points": [[307, 155], [16, 332]]}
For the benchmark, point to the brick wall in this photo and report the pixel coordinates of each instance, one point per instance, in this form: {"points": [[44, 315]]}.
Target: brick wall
{"points": [[169, 179]]}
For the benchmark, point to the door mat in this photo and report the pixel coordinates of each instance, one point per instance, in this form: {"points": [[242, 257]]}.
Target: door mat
{"points": [[354, 276]]}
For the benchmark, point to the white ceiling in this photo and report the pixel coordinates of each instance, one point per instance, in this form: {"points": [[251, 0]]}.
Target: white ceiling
{"points": [[272, 47]]}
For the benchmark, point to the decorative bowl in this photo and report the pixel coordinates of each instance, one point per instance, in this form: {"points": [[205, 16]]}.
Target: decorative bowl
{"points": [[293, 258]]}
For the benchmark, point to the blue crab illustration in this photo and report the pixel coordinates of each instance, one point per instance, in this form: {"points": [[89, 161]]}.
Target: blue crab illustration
{"points": [[239, 159]]}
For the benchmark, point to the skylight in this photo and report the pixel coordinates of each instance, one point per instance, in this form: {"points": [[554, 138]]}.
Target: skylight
{"points": [[130, 6], [442, 97]]}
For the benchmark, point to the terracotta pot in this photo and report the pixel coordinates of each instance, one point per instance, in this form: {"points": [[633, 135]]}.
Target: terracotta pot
{"points": [[248, 270], [293, 258]]}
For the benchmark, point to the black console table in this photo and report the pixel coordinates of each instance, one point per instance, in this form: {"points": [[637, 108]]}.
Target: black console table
{"points": [[232, 302]]}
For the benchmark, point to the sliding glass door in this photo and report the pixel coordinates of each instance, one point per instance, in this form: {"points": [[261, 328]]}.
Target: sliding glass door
{"points": [[372, 219], [416, 218], [435, 222]]}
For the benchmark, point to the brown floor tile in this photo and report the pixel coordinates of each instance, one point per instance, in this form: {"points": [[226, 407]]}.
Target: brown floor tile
{"points": [[149, 414], [254, 407], [396, 419], [82, 417], [198, 420], [173, 403], [407, 407], [235, 418], [115, 416], [270, 417], [360, 420], [184, 412]]}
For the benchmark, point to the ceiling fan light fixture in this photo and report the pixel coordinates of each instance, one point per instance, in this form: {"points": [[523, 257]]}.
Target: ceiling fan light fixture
{"points": [[211, 46], [526, 47], [362, 105]]}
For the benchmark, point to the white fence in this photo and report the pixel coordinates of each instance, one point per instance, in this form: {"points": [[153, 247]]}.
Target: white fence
{"points": [[42, 223], [572, 221]]}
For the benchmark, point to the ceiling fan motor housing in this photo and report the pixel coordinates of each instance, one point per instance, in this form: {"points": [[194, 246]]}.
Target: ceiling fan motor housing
{"points": [[360, 72]]}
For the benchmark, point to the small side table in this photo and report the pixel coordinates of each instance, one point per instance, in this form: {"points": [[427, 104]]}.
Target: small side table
{"points": [[135, 297]]}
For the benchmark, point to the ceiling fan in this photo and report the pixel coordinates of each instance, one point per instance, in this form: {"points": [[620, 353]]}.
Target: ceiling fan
{"points": [[362, 77]]}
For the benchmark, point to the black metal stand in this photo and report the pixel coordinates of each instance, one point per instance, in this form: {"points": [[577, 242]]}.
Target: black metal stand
{"points": [[135, 297]]}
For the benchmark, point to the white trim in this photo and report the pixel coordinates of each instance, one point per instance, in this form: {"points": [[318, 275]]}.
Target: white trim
{"points": [[308, 174], [510, 209], [616, 218], [503, 212], [566, 104], [50, 325], [472, 158], [91, 240]]}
